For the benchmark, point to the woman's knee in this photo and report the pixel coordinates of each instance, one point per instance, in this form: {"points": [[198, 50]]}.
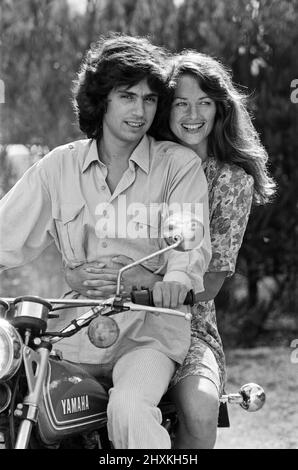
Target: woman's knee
{"points": [[200, 425], [197, 401]]}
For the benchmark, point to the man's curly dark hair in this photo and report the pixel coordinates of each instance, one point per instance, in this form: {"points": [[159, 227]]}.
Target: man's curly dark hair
{"points": [[115, 60]]}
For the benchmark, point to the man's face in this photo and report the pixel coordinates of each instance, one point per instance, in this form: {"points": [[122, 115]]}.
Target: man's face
{"points": [[130, 112]]}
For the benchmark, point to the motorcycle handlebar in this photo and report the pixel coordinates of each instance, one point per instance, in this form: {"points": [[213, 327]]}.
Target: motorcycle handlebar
{"points": [[144, 296]]}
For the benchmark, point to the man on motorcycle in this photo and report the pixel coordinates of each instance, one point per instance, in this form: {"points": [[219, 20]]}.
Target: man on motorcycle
{"points": [[100, 197]]}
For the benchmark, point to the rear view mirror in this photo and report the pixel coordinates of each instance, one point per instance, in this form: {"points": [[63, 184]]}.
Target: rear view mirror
{"points": [[186, 226]]}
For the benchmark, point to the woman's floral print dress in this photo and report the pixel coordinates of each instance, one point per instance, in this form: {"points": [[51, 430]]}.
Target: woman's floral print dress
{"points": [[230, 197]]}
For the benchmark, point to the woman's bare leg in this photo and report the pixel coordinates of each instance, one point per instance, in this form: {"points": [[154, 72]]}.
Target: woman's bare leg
{"points": [[197, 401]]}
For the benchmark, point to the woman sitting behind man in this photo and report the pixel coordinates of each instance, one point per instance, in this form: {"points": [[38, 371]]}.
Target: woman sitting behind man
{"points": [[208, 114]]}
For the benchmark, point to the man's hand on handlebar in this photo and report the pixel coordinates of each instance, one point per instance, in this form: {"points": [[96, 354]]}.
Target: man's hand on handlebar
{"points": [[169, 294]]}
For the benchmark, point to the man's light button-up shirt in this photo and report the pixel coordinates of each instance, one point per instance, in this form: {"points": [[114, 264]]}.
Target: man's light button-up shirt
{"points": [[60, 199]]}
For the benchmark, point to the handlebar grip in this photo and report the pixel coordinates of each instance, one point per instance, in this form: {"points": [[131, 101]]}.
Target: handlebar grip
{"points": [[145, 297]]}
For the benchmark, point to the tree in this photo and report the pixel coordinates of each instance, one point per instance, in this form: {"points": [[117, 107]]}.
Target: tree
{"points": [[157, 19], [38, 62]]}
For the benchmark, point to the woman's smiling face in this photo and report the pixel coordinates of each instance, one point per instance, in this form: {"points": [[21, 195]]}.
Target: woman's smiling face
{"points": [[192, 115]]}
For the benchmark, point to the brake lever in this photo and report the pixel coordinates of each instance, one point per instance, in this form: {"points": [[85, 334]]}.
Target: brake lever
{"points": [[136, 307]]}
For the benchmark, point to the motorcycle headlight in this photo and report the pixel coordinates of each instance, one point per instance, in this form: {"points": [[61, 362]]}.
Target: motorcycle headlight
{"points": [[10, 350]]}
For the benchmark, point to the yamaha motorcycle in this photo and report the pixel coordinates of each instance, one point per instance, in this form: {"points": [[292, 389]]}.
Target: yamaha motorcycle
{"points": [[48, 402]]}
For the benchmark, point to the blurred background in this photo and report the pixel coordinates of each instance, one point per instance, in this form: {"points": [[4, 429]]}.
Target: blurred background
{"points": [[42, 45]]}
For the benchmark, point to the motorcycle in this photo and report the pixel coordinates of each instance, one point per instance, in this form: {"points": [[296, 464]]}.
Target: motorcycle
{"points": [[49, 402]]}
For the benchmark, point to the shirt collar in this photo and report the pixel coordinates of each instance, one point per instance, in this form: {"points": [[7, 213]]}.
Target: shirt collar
{"points": [[91, 156], [140, 155]]}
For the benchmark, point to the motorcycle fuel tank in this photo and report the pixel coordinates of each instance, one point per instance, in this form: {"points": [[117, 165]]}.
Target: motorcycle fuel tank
{"points": [[73, 402]]}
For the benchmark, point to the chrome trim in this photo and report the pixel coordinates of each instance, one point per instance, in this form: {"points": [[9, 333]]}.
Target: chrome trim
{"points": [[15, 345], [32, 310]]}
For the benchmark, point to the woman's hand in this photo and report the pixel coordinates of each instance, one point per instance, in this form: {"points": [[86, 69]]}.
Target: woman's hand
{"points": [[92, 280], [96, 281]]}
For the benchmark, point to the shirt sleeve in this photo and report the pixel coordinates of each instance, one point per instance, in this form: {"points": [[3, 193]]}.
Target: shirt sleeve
{"points": [[189, 189], [231, 207], [25, 220]]}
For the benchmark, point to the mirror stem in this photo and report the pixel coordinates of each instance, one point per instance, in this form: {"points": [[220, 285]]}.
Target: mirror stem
{"points": [[178, 239]]}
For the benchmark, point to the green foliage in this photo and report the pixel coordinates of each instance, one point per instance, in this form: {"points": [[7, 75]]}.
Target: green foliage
{"points": [[40, 53], [43, 42]]}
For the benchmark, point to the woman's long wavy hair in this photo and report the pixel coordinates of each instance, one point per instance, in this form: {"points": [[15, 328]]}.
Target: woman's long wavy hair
{"points": [[233, 138], [115, 60]]}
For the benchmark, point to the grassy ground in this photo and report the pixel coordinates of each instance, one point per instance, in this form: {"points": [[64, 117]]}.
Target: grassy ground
{"points": [[275, 426]]}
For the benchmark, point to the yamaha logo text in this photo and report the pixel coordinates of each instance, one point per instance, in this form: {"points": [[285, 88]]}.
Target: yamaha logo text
{"points": [[75, 404]]}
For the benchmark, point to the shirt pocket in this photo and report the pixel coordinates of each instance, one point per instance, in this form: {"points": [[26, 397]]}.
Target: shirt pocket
{"points": [[70, 224]]}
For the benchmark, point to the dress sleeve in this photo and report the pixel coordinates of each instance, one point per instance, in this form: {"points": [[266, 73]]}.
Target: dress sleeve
{"points": [[25, 220], [229, 215]]}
